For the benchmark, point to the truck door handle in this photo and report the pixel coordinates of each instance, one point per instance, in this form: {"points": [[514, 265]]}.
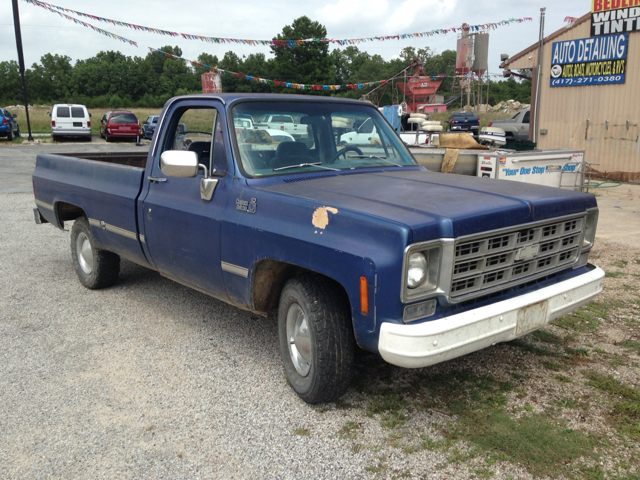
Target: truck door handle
{"points": [[154, 179]]}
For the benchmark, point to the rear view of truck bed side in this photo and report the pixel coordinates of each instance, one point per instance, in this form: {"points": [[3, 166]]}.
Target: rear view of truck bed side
{"points": [[102, 188]]}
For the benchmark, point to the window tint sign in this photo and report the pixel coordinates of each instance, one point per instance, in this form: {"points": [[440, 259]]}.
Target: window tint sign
{"points": [[589, 61], [614, 16]]}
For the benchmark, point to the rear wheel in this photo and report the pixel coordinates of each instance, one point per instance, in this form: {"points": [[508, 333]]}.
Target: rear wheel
{"points": [[95, 268], [316, 338], [107, 137]]}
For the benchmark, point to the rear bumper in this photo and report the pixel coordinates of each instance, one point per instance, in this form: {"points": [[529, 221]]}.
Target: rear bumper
{"points": [[428, 343], [124, 135], [72, 132]]}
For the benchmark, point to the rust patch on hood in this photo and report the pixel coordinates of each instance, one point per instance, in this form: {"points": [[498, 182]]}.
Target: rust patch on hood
{"points": [[320, 217]]}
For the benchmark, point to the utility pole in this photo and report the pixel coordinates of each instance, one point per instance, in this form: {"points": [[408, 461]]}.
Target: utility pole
{"points": [[536, 112], [16, 24]]}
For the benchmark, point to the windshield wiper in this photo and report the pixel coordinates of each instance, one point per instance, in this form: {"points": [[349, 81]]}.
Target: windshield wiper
{"points": [[375, 156], [317, 164]]}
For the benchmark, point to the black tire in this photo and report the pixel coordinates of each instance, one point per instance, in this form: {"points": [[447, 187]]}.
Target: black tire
{"points": [[106, 137], [95, 268], [318, 310], [10, 134], [18, 131]]}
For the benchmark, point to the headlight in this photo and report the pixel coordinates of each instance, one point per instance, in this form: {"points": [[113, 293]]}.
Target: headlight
{"points": [[426, 270], [417, 271], [590, 229]]}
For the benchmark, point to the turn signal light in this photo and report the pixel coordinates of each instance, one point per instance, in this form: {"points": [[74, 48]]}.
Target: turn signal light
{"points": [[88, 124], [53, 123], [364, 296]]}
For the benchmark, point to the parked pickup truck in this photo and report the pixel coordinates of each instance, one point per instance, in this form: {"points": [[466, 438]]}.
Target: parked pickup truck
{"points": [[464, 122], [281, 122], [516, 127], [354, 246]]}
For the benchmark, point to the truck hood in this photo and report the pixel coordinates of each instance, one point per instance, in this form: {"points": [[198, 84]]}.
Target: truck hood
{"points": [[436, 205]]}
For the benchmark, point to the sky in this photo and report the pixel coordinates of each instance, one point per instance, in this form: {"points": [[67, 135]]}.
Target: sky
{"points": [[45, 32]]}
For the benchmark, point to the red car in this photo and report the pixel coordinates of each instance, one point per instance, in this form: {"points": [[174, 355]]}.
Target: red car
{"points": [[120, 124]]}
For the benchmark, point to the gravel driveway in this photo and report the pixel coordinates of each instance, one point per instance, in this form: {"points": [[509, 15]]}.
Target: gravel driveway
{"points": [[150, 379]]}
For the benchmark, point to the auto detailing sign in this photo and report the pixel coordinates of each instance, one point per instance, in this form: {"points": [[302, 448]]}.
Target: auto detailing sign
{"points": [[589, 61], [614, 16]]}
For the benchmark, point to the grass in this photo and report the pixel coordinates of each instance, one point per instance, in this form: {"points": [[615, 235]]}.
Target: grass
{"points": [[631, 345], [586, 318], [547, 337], [41, 123], [625, 414], [527, 347], [349, 431], [303, 432], [614, 274], [620, 263]]}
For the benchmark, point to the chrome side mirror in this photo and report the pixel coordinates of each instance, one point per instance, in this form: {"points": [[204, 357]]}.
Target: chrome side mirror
{"points": [[179, 163], [184, 164]]}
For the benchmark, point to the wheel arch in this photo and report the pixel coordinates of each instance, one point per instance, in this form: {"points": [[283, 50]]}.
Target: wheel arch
{"points": [[66, 211], [268, 278]]}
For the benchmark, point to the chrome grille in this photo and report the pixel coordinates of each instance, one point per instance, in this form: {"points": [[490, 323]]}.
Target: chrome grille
{"points": [[494, 262]]}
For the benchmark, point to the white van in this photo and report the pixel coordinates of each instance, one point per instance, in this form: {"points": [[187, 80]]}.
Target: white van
{"points": [[69, 119]]}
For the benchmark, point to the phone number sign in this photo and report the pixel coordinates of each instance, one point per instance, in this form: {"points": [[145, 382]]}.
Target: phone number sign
{"points": [[589, 61]]}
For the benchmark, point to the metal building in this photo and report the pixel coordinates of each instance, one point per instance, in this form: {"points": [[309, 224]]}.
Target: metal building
{"points": [[602, 119]]}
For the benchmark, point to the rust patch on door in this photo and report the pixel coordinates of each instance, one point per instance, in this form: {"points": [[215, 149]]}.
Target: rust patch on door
{"points": [[320, 218]]}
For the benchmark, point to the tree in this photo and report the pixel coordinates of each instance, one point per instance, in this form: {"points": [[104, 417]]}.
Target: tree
{"points": [[10, 87], [308, 63]]}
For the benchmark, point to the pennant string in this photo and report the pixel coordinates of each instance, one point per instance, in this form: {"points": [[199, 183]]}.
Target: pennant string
{"points": [[277, 43]]}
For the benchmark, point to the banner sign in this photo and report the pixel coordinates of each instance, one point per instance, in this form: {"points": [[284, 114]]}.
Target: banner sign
{"points": [[614, 16], [589, 61]]}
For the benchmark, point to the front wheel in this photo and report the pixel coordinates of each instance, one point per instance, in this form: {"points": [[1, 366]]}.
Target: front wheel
{"points": [[95, 268], [316, 338], [18, 131], [10, 134]]}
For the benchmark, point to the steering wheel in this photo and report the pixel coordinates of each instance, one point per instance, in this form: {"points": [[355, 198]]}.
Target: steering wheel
{"points": [[344, 150]]}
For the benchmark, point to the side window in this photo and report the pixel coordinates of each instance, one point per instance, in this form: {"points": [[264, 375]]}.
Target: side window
{"points": [[526, 118], [62, 112], [192, 129]]}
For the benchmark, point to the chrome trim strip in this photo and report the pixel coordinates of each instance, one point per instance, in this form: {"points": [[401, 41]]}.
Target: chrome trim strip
{"points": [[235, 269], [121, 231], [113, 229], [142, 239], [42, 204]]}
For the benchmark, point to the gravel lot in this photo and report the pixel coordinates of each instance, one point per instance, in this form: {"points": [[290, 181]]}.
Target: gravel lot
{"points": [[149, 379]]}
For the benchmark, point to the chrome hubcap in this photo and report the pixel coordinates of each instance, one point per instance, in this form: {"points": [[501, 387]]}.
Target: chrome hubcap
{"points": [[299, 339], [85, 255]]}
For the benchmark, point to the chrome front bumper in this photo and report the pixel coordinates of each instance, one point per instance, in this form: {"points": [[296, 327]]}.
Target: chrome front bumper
{"points": [[428, 343]]}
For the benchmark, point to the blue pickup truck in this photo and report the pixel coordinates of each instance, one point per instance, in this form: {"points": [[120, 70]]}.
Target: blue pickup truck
{"points": [[354, 246], [464, 122]]}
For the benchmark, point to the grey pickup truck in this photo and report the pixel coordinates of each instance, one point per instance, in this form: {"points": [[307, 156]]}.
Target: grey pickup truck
{"points": [[516, 127]]}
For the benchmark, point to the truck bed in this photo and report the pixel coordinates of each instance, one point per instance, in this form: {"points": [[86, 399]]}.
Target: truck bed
{"points": [[103, 187], [131, 159]]}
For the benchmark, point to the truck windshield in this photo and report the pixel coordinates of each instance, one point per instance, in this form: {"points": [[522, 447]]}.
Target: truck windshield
{"points": [[323, 136]]}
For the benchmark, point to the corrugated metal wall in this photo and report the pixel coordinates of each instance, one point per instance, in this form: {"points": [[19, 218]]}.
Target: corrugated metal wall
{"points": [[564, 112]]}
